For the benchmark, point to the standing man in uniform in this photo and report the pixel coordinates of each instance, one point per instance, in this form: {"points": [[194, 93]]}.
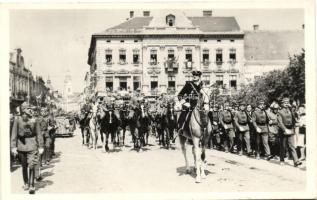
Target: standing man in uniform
{"points": [[52, 127], [226, 119], [286, 122], [27, 143], [260, 122], [273, 131], [214, 116], [189, 96], [243, 130]]}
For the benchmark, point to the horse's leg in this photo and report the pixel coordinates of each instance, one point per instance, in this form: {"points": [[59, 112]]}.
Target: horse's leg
{"points": [[96, 140], [101, 136], [182, 141], [107, 138], [167, 138], [197, 158], [82, 135]]}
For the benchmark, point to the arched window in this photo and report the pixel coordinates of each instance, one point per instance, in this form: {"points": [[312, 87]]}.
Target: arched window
{"points": [[170, 20]]}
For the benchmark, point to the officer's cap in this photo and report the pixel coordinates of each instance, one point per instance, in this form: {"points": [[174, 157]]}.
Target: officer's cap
{"points": [[196, 73], [274, 106]]}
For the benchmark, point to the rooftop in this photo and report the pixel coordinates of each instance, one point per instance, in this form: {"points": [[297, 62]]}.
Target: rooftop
{"points": [[272, 45]]}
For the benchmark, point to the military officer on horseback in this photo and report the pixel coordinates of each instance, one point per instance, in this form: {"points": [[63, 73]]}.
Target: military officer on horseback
{"points": [[189, 96]]}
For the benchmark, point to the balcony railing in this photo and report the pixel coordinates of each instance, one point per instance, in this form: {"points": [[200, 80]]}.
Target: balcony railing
{"points": [[153, 62], [206, 63], [171, 65], [232, 62], [122, 62], [219, 62]]}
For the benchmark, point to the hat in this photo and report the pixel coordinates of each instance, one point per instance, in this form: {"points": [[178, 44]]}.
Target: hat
{"points": [[285, 100], [261, 101], [275, 106], [241, 103], [196, 73]]}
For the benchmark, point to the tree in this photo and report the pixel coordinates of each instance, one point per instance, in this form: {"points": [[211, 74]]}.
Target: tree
{"points": [[277, 84]]}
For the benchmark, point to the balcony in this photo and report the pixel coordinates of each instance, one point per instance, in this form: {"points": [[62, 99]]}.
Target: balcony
{"points": [[153, 63], [232, 62], [219, 62], [206, 63], [122, 62], [171, 65], [109, 62]]}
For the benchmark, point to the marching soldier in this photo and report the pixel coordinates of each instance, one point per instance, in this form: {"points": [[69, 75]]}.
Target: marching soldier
{"points": [[27, 142], [243, 130], [260, 122], [286, 122], [226, 119], [189, 96]]}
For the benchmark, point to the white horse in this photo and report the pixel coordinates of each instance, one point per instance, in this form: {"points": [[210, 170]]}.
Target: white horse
{"points": [[199, 134], [94, 128]]}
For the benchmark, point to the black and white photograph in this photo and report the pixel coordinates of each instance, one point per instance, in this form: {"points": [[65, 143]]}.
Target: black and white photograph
{"points": [[196, 101]]}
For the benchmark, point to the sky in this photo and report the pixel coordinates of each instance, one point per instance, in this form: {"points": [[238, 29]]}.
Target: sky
{"points": [[55, 41]]}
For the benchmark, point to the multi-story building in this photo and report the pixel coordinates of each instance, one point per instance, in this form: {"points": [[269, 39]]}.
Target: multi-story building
{"points": [[157, 53], [23, 86]]}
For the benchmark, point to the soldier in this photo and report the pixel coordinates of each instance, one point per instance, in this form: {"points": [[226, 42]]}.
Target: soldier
{"points": [[243, 130], [260, 122], [214, 117], [43, 128], [189, 96], [52, 127], [286, 122], [226, 119], [249, 112], [27, 142], [273, 130]]}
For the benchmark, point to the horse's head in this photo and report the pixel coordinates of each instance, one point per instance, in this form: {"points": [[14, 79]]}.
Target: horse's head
{"points": [[204, 98]]}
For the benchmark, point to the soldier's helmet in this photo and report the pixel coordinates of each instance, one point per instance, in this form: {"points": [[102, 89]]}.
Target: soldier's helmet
{"points": [[274, 106]]}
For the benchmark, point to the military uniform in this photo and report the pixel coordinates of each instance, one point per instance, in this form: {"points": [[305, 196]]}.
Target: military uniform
{"points": [[26, 140], [273, 132], [286, 123], [243, 130], [260, 123], [52, 127], [189, 94], [226, 119], [215, 138]]}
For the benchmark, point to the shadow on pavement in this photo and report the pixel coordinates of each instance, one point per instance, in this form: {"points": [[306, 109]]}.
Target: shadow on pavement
{"points": [[182, 171], [43, 184], [47, 167]]}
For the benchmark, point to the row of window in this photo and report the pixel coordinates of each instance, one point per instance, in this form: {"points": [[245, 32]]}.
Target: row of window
{"points": [[171, 82], [122, 41], [170, 56]]}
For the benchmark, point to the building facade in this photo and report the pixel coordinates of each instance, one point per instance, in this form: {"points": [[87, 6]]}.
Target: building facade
{"points": [[156, 53], [23, 85]]}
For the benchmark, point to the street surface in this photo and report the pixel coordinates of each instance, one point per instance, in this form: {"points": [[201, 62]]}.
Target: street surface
{"points": [[77, 169]]}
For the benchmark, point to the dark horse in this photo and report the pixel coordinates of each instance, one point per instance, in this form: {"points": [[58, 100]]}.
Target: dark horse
{"points": [[84, 127], [143, 124], [171, 123], [109, 123]]}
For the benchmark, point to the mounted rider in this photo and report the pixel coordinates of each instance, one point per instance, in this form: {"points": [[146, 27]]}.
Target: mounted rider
{"points": [[189, 98]]}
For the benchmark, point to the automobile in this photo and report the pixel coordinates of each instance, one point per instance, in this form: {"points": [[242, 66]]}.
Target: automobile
{"points": [[63, 126]]}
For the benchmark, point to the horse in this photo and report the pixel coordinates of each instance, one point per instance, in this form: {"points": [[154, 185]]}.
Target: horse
{"points": [[84, 127], [94, 128], [123, 112], [171, 124], [161, 124], [143, 124], [109, 126], [199, 130], [132, 120]]}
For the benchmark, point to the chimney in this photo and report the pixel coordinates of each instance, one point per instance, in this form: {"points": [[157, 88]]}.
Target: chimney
{"points": [[303, 26], [131, 14], [207, 13], [255, 27], [146, 13]]}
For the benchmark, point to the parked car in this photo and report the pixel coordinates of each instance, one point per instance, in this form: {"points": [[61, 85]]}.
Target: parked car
{"points": [[64, 127]]}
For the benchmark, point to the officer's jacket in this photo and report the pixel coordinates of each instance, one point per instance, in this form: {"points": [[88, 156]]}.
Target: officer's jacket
{"points": [[273, 125], [260, 120], [241, 120], [226, 118], [26, 135], [286, 119], [191, 92]]}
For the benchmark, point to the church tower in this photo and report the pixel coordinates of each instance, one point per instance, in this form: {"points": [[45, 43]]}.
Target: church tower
{"points": [[68, 90]]}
